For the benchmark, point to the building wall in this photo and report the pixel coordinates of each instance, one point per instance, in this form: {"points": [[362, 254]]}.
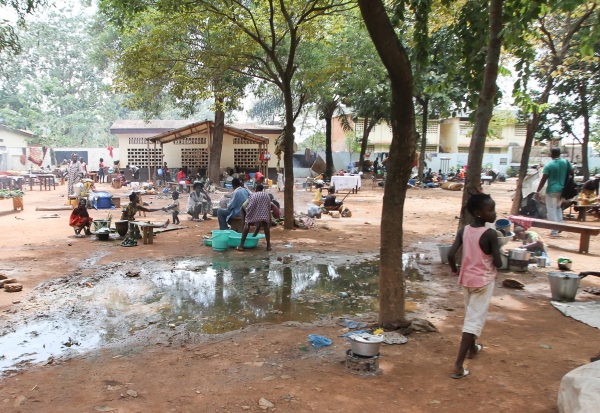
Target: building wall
{"points": [[133, 147], [92, 159], [12, 147]]}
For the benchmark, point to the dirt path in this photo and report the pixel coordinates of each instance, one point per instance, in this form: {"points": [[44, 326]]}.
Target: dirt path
{"points": [[170, 369]]}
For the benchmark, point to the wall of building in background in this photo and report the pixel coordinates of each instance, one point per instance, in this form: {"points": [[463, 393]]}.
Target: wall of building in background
{"points": [[91, 156], [13, 149]]}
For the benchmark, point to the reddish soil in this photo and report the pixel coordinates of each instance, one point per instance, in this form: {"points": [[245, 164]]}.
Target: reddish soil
{"points": [[232, 371]]}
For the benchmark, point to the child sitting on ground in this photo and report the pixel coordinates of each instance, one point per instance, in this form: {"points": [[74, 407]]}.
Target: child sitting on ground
{"points": [[531, 240], [174, 207], [481, 258], [330, 203]]}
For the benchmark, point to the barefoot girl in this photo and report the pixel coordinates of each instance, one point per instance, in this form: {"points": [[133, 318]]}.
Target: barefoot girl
{"points": [[481, 257]]}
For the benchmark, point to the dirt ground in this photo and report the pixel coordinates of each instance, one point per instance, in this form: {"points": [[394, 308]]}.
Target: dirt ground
{"points": [[529, 345]]}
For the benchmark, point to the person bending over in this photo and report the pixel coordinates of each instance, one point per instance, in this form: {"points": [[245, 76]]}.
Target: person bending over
{"points": [[80, 219], [531, 240], [258, 212]]}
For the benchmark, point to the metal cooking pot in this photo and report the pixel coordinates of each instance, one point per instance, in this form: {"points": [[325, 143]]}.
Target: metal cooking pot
{"points": [[519, 255], [366, 345], [541, 262]]}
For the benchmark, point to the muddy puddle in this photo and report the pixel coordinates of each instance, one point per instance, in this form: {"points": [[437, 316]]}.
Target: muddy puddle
{"points": [[101, 305]]}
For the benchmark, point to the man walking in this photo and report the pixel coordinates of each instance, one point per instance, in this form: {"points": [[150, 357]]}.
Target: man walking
{"points": [[555, 172]]}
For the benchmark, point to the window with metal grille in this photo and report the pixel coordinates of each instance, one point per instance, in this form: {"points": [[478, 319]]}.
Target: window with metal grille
{"points": [[463, 149], [246, 157], [494, 150], [138, 141], [433, 127], [190, 141], [521, 131], [194, 157], [143, 157], [431, 148], [242, 141], [465, 128], [370, 148], [359, 125]]}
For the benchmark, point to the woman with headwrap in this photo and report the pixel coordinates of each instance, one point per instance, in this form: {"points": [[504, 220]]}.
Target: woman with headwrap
{"points": [[74, 174]]}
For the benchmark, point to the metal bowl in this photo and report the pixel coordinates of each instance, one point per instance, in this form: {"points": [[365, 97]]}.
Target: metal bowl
{"points": [[566, 266], [519, 255]]}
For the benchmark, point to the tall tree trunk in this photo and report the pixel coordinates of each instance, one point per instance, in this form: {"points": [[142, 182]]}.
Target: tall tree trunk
{"points": [[328, 115], [532, 127], [214, 166], [402, 150], [485, 107], [424, 120], [585, 167], [288, 156], [365, 140]]}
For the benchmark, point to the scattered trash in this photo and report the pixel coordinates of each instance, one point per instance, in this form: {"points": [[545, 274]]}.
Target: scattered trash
{"points": [[378, 331], [351, 333], [318, 341], [50, 216], [592, 290], [419, 324], [132, 274], [545, 346], [288, 245], [343, 295], [512, 283], [394, 338], [132, 393], [346, 322], [303, 348], [265, 404]]}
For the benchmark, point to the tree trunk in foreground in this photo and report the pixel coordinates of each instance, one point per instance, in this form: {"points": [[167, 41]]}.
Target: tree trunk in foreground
{"points": [[585, 167], [395, 59], [328, 115], [425, 106], [214, 166], [532, 127], [288, 158], [485, 107]]}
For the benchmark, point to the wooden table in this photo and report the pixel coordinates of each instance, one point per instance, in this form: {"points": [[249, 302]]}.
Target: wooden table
{"points": [[93, 176], [147, 230], [11, 182], [352, 182], [48, 180], [583, 210], [585, 231]]}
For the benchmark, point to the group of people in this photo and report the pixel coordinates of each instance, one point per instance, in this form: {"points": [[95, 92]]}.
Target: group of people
{"points": [[257, 209]]}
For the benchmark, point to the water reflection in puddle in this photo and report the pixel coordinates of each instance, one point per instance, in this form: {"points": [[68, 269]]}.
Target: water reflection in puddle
{"points": [[205, 297]]}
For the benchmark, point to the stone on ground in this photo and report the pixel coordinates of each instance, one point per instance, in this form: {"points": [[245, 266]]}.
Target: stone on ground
{"points": [[580, 390]]}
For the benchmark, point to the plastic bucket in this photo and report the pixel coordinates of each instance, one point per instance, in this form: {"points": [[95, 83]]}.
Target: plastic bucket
{"points": [[412, 182], [220, 240], [503, 223], [444, 249], [563, 285]]}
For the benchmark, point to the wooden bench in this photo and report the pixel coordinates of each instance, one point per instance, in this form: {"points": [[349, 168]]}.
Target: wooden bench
{"points": [[583, 210], [585, 231]]}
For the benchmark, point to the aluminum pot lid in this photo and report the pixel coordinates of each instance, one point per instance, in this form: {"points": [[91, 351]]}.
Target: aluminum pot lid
{"points": [[366, 338]]}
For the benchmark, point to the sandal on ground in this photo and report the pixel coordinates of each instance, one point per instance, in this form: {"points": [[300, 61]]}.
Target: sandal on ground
{"points": [[464, 373], [479, 348]]}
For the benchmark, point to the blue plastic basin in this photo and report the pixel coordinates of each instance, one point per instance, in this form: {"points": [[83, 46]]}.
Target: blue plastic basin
{"points": [[235, 238]]}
